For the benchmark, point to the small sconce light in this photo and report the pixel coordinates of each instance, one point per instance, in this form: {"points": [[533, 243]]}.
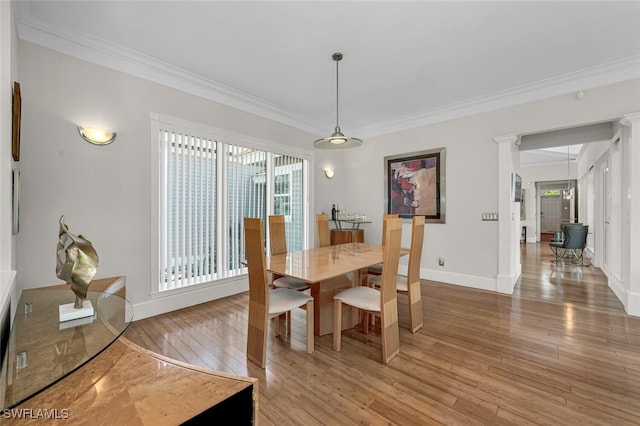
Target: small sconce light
{"points": [[97, 136], [329, 173]]}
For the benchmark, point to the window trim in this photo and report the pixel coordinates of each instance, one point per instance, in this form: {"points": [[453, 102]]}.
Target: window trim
{"points": [[225, 137]]}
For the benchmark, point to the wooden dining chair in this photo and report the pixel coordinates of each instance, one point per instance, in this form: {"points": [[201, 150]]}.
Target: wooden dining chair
{"points": [[377, 268], [265, 304], [322, 223], [381, 303], [278, 245], [409, 285]]}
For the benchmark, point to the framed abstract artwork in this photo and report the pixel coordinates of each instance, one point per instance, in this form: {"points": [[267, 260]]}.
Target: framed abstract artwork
{"points": [[415, 185]]}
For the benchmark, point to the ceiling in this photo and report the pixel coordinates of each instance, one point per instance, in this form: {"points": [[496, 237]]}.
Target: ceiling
{"points": [[405, 64], [547, 156]]}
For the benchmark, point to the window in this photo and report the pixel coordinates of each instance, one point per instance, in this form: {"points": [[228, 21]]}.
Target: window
{"points": [[288, 197], [187, 213], [282, 195], [207, 185]]}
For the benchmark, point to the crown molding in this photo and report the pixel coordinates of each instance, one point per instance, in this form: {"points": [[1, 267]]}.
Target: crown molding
{"points": [[510, 138], [630, 119], [601, 75], [544, 163], [131, 62], [119, 58]]}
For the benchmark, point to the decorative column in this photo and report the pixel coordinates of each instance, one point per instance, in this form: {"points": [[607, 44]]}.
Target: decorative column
{"points": [[508, 236], [631, 266]]}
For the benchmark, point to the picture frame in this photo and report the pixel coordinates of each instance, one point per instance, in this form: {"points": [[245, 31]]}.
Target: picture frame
{"points": [[516, 188], [16, 201], [17, 113], [415, 185]]}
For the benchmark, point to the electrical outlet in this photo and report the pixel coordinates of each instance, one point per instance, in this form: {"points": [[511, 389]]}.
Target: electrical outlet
{"points": [[441, 261]]}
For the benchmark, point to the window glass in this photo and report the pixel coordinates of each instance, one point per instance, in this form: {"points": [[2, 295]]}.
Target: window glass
{"points": [[206, 188]]}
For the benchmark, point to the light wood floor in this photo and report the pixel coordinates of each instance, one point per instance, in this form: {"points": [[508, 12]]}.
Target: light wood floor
{"points": [[560, 351]]}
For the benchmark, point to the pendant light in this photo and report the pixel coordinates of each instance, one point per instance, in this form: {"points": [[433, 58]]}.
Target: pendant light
{"points": [[337, 140]]}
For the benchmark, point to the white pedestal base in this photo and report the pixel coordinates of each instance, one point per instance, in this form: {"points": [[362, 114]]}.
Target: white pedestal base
{"points": [[76, 322], [67, 312]]}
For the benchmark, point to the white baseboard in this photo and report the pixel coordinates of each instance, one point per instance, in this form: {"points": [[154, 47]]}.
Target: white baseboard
{"points": [[473, 281], [505, 284], [618, 290], [161, 303], [633, 306], [630, 300]]}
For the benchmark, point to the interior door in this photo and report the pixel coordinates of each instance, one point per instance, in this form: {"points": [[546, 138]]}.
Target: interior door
{"points": [[550, 213]]}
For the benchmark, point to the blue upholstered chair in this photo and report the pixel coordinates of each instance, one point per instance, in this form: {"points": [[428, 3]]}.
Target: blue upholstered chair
{"points": [[572, 247]]}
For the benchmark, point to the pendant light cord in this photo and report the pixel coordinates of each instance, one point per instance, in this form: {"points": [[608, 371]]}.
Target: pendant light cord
{"points": [[568, 172], [337, 94]]}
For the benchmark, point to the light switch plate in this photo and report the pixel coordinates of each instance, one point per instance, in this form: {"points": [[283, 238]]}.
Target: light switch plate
{"points": [[489, 216]]}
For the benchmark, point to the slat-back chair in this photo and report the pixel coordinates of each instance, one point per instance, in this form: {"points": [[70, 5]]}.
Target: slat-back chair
{"points": [[265, 304], [383, 302], [409, 285], [322, 223], [377, 269], [278, 245]]}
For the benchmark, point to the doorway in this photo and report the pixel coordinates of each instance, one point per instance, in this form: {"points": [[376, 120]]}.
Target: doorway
{"points": [[550, 213], [557, 204]]}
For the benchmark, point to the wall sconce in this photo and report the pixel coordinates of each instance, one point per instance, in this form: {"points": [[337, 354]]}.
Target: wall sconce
{"points": [[329, 173], [97, 136]]}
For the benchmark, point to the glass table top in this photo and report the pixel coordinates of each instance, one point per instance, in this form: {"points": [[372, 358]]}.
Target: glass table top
{"points": [[43, 350]]}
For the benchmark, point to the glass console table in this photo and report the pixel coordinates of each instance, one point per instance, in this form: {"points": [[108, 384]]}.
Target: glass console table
{"points": [[355, 224], [88, 372], [43, 350]]}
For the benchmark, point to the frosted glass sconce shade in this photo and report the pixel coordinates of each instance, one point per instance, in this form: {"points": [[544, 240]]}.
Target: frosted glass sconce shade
{"points": [[97, 136]]}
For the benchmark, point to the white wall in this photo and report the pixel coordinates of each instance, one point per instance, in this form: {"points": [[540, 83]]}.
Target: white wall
{"points": [[588, 176], [612, 156], [629, 150], [104, 191], [591, 153], [469, 246], [8, 74], [334, 160]]}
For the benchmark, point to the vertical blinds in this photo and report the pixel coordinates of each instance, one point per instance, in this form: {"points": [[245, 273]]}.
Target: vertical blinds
{"points": [[206, 189], [188, 193], [289, 197], [245, 170]]}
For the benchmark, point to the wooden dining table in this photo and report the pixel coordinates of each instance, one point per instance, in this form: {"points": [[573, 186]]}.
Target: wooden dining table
{"points": [[330, 270]]}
